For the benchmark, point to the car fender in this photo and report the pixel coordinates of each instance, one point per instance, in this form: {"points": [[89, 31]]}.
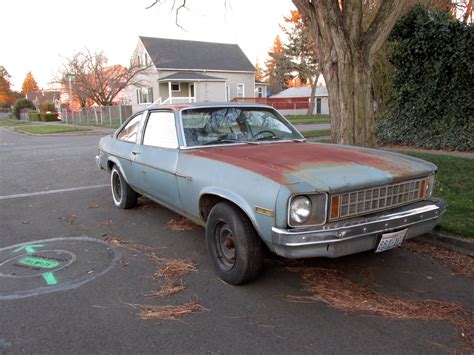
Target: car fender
{"points": [[235, 199], [117, 163]]}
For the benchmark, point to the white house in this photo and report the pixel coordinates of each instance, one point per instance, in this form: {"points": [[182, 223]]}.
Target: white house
{"points": [[321, 97], [193, 71]]}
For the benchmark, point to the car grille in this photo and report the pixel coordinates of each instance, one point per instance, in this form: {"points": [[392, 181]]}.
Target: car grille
{"points": [[375, 199]]}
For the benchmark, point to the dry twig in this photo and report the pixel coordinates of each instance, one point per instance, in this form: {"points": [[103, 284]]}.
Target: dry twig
{"points": [[336, 290], [169, 312], [175, 268], [460, 263]]}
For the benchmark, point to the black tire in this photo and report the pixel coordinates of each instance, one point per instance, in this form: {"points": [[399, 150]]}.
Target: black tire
{"points": [[233, 244], [122, 194]]}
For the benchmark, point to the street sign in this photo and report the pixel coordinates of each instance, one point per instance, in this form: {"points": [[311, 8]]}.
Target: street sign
{"points": [[70, 76]]}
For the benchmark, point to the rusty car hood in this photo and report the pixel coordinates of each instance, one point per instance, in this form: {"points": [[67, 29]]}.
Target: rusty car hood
{"points": [[325, 166]]}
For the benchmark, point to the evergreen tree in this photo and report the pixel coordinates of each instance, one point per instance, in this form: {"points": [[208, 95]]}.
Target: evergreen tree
{"points": [[259, 76], [277, 72], [301, 53], [29, 84]]}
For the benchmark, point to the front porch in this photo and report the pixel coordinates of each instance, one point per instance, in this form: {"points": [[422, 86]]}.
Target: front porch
{"points": [[187, 87]]}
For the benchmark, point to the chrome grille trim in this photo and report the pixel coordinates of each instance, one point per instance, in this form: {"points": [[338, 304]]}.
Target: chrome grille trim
{"points": [[359, 202]]}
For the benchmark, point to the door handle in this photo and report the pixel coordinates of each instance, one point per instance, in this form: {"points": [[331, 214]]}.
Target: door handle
{"points": [[136, 153]]}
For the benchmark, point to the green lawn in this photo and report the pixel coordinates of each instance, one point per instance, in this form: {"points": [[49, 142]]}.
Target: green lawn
{"points": [[454, 183], [316, 133], [114, 125], [51, 129], [7, 122], [295, 119]]}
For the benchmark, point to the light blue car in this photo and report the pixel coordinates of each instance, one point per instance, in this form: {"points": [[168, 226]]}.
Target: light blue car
{"points": [[247, 175]]}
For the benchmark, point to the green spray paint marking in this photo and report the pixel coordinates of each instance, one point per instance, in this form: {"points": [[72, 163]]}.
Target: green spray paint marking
{"points": [[50, 278], [39, 262], [29, 248]]}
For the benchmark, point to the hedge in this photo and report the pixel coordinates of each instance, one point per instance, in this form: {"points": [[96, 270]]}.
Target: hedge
{"points": [[34, 116], [46, 117], [431, 105], [49, 117], [20, 104]]}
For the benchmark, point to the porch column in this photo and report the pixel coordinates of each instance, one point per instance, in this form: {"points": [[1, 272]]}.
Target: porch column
{"points": [[169, 92]]}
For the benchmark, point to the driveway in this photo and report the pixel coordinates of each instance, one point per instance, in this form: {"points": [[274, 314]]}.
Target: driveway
{"points": [[76, 273]]}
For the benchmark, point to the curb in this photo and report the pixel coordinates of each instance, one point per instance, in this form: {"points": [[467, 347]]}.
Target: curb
{"points": [[458, 244]]}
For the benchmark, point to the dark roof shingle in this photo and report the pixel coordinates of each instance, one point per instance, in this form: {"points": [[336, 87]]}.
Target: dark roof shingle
{"points": [[180, 54]]}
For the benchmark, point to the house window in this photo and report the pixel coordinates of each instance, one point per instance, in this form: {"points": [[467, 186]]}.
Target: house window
{"points": [[259, 92], [175, 87], [240, 90], [145, 95], [145, 59]]}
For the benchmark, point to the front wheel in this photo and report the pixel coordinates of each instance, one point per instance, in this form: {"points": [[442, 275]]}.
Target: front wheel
{"points": [[123, 195], [234, 247]]}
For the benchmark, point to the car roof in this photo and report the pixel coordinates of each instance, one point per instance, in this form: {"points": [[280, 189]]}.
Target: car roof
{"points": [[179, 107]]}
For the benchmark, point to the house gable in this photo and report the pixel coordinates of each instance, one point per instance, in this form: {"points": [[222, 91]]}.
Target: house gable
{"points": [[175, 54]]}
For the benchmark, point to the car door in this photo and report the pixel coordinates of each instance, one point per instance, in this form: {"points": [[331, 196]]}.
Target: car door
{"points": [[125, 145], [156, 158]]}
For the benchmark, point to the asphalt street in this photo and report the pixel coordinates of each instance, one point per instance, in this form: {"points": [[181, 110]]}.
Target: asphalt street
{"points": [[65, 289]]}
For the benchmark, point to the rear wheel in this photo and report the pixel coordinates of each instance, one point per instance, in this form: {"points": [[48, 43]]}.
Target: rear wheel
{"points": [[234, 246], [122, 194]]}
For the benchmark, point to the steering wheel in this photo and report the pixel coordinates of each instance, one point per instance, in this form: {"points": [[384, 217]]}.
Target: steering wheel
{"points": [[263, 132]]}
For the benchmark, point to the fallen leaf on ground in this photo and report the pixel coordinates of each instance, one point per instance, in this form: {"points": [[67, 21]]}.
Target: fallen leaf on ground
{"points": [[181, 225]]}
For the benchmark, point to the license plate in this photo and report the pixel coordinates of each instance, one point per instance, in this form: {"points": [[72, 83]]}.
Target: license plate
{"points": [[391, 240]]}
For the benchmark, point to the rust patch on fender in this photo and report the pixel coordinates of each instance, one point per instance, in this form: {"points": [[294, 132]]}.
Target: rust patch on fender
{"points": [[278, 159]]}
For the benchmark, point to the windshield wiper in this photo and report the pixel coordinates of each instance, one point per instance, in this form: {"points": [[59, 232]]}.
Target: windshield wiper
{"points": [[282, 139], [228, 140]]}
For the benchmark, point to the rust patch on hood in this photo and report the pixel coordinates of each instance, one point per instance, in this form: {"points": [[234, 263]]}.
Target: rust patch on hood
{"points": [[278, 160]]}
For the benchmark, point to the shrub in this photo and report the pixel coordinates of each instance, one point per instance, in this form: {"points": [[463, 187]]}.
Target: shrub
{"points": [[47, 106], [49, 117], [34, 116], [20, 104], [431, 102]]}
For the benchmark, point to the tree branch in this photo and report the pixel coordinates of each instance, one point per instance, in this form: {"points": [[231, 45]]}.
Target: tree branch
{"points": [[352, 16], [382, 25]]}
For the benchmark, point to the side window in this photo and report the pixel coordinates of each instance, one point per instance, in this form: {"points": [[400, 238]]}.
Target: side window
{"points": [[130, 131], [160, 130]]}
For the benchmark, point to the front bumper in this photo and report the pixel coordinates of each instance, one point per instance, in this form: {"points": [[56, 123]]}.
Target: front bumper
{"points": [[356, 235]]}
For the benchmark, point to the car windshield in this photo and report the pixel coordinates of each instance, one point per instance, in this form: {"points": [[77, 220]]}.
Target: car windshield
{"points": [[223, 125]]}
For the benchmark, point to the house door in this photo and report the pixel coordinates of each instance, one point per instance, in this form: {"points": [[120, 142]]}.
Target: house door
{"points": [[318, 105]]}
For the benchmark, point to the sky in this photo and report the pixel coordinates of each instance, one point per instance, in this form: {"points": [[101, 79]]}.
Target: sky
{"points": [[38, 35]]}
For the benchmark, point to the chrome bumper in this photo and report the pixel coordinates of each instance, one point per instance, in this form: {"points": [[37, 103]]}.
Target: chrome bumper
{"points": [[97, 161], [356, 235]]}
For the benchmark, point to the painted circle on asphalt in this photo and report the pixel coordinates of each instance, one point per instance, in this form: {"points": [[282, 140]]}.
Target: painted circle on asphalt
{"points": [[52, 265]]}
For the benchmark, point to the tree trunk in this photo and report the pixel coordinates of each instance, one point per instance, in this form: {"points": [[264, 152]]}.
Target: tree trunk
{"points": [[347, 53], [349, 83], [312, 98]]}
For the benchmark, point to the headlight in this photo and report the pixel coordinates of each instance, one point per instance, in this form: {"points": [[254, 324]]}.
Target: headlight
{"points": [[300, 209], [307, 210]]}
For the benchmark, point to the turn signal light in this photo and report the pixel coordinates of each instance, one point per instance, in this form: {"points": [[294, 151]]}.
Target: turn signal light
{"points": [[335, 207], [422, 188]]}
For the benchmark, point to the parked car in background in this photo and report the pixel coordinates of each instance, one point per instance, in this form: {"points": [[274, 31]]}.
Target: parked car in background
{"points": [[247, 175]]}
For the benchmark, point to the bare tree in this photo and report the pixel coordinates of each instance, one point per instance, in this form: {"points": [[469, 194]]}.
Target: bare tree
{"points": [[347, 52], [347, 55], [97, 81]]}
